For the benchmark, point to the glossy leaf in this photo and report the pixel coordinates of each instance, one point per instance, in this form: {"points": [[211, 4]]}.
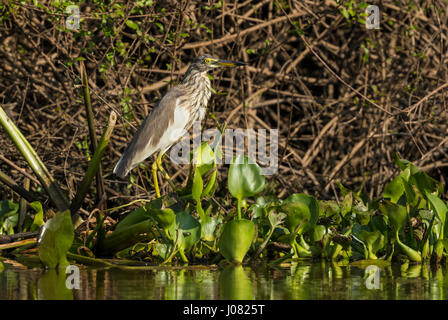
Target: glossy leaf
{"points": [[300, 209], [204, 158], [198, 185], [187, 230], [139, 214], [245, 178], [425, 183], [409, 191], [396, 214], [165, 217], [438, 206], [8, 216], [394, 190], [38, 217], [208, 227], [56, 239], [318, 232], [236, 238]]}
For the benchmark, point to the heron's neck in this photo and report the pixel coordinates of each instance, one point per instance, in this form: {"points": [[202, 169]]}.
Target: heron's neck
{"points": [[193, 78], [198, 88], [197, 82]]}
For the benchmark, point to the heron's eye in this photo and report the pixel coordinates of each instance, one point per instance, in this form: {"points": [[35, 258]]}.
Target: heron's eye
{"points": [[207, 61]]}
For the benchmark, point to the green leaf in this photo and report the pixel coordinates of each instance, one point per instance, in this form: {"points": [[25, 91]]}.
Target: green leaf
{"points": [[396, 213], [187, 230], [165, 217], [56, 239], [198, 185], [8, 207], [236, 238], [404, 164], [208, 227], [8, 216], [301, 209], [131, 24], [328, 208], [38, 217], [139, 215], [204, 158], [409, 191], [439, 207], [347, 204], [374, 241], [318, 232], [425, 183], [363, 214], [245, 178], [394, 189], [344, 191]]}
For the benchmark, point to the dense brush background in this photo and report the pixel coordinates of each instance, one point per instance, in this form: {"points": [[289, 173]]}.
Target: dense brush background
{"points": [[313, 67]]}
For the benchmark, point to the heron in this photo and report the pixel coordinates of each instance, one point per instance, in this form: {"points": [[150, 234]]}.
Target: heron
{"points": [[174, 114]]}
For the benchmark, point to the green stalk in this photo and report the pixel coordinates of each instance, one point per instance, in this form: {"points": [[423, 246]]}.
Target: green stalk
{"points": [[239, 209], [411, 253], [94, 164], [124, 238], [89, 261], [36, 164], [263, 245], [336, 250], [92, 133], [23, 206]]}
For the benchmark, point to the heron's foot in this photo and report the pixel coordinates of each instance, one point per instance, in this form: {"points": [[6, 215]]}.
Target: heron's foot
{"points": [[165, 174], [160, 167]]}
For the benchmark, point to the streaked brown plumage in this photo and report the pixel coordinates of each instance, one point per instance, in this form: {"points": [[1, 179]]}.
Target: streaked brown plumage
{"points": [[175, 112]]}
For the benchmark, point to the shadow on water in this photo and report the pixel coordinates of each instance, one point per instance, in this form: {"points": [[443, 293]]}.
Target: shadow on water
{"points": [[302, 280]]}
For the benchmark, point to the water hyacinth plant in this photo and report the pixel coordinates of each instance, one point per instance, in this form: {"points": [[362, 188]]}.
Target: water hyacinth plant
{"points": [[238, 221]]}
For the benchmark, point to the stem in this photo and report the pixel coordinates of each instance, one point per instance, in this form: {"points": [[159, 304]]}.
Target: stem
{"points": [[239, 209], [263, 245], [23, 206], [411, 253], [92, 133], [124, 238], [18, 244], [89, 261], [30, 197], [31, 157], [94, 164]]}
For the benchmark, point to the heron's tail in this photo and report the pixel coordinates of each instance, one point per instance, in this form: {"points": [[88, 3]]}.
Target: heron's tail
{"points": [[121, 169]]}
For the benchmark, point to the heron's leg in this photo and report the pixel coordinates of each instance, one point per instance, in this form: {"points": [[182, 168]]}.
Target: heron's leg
{"points": [[159, 165], [165, 174], [154, 178]]}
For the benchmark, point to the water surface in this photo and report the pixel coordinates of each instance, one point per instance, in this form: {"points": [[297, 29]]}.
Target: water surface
{"points": [[302, 280]]}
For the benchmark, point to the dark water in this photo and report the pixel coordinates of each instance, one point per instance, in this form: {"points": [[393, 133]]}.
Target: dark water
{"points": [[296, 281]]}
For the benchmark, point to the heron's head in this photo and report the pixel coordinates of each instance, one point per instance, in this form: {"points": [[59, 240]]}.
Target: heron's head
{"points": [[206, 62]]}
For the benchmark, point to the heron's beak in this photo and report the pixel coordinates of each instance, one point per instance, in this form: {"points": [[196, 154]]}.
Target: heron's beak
{"points": [[228, 63]]}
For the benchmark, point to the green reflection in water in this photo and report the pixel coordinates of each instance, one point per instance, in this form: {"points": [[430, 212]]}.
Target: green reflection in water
{"points": [[301, 280], [234, 284]]}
